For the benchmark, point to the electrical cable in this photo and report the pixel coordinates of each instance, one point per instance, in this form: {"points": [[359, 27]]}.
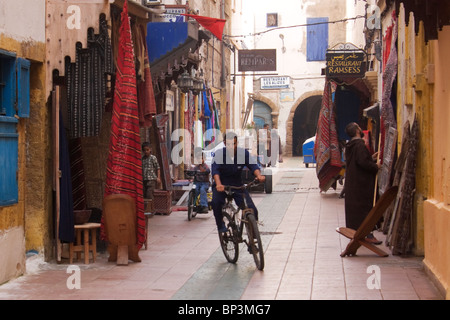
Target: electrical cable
{"points": [[294, 26]]}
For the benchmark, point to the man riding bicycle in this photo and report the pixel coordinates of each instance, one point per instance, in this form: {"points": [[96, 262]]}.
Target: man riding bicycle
{"points": [[226, 169]]}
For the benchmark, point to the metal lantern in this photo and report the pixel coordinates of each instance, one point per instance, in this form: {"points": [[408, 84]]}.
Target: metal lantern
{"points": [[185, 82], [198, 85], [198, 82]]}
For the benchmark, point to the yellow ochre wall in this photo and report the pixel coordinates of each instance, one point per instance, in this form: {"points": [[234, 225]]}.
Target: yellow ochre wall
{"points": [[437, 206], [424, 92]]}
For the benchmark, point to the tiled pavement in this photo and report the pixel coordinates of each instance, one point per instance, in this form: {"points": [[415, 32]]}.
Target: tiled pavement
{"points": [[184, 260]]}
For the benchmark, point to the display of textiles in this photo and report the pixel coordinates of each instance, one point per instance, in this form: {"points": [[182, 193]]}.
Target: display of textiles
{"points": [[86, 80], [326, 147], [387, 116]]}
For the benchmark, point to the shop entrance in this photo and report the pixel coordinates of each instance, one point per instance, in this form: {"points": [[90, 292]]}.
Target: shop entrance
{"points": [[348, 109], [305, 122]]}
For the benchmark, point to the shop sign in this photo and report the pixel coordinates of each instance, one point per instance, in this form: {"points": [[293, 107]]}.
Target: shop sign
{"points": [[345, 64], [257, 60], [172, 14], [275, 82]]}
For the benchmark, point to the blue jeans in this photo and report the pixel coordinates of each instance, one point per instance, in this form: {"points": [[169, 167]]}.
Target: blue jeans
{"points": [[202, 189], [218, 200]]}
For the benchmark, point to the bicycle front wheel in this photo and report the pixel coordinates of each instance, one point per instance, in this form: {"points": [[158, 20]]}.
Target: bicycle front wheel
{"points": [[229, 239], [254, 241], [191, 204]]}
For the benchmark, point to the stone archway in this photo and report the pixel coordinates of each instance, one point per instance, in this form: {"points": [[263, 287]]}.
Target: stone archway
{"points": [[290, 121]]}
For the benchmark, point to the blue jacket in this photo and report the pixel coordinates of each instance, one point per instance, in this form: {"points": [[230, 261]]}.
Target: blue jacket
{"points": [[230, 170]]}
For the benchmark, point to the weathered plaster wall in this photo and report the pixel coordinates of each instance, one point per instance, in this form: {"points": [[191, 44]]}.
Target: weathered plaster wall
{"points": [[24, 226], [12, 263]]}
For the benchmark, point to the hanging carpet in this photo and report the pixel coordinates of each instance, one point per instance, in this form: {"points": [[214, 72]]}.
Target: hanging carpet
{"points": [[326, 146], [146, 95], [86, 82], [387, 115], [124, 165]]}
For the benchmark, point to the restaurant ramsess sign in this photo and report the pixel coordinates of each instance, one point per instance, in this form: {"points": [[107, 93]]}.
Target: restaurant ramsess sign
{"points": [[345, 64]]}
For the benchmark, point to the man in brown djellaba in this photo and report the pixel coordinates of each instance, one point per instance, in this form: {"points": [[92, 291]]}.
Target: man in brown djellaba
{"points": [[360, 174]]}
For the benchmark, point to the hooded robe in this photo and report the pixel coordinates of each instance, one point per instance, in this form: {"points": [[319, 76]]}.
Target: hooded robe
{"points": [[360, 175]]}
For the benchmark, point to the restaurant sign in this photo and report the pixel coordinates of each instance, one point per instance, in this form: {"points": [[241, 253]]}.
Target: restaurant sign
{"points": [[257, 60], [346, 64], [275, 82]]}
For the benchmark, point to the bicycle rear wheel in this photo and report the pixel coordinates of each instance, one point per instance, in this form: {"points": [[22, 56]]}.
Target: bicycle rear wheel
{"points": [[254, 241], [191, 204], [229, 239]]}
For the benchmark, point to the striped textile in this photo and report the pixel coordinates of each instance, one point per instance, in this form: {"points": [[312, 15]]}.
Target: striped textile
{"points": [[387, 115], [124, 165], [326, 146], [77, 174]]}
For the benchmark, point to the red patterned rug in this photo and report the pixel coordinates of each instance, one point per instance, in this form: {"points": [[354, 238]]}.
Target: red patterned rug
{"points": [[124, 166], [326, 146]]}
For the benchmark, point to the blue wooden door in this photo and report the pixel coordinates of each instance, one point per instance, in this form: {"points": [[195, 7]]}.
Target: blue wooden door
{"points": [[316, 39], [8, 161]]}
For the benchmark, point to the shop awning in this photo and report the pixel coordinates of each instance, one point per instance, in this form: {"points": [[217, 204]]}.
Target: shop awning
{"points": [[169, 44]]}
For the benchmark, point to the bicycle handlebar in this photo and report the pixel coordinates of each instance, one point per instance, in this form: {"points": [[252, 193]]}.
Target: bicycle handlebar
{"points": [[245, 186]]}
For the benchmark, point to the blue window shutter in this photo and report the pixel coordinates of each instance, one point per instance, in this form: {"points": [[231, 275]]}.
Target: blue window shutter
{"points": [[317, 39], [23, 88], [8, 80], [8, 161]]}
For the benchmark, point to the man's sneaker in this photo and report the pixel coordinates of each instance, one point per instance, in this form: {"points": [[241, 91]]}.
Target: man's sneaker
{"points": [[223, 229]]}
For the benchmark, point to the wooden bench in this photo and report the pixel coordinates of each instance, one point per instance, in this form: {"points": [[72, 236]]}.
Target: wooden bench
{"points": [[358, 237], [78, 247]]}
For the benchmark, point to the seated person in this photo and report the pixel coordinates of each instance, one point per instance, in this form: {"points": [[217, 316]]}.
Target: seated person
{"points": [[202, 182]]}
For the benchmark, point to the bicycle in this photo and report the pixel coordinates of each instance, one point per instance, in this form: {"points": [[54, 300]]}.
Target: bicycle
{"points": [[194, 202], [234, 222]]}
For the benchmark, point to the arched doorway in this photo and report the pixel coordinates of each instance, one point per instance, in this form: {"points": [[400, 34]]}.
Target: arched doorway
{"points": [[304, 123], [262, 114]]}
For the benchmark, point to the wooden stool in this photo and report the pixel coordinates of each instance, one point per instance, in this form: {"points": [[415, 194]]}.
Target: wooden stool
{"points": [[85, 247], [147, 216]]}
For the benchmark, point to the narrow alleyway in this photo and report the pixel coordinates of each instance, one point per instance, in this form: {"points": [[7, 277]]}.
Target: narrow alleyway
{"points": [[184, 260]]}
